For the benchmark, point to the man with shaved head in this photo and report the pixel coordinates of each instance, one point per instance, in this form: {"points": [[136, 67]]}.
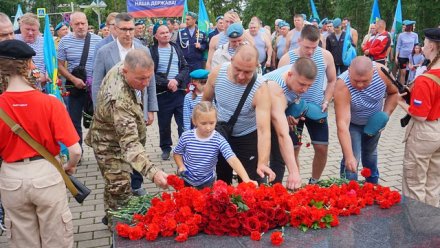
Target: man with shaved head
{"points": [[226, 85], [360, 108]]}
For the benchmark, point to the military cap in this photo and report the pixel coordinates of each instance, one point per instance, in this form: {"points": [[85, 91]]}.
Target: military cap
{"points": [[15, 49], [102, 26], [408, 22], [199, 74], [337, 22], [60, 25], [156, 26], [235, 30], [432, 34], [314, 112], [277, 21], [192, 14], [283, 24], [297, 109], [376, 123], [218, 18], [139, 22]]}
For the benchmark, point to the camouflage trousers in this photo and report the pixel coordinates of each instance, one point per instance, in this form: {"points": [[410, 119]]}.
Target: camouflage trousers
{"points": [[116, 175]]}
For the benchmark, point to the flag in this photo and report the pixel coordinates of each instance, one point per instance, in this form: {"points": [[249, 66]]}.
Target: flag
{"points": [[51, 63], [17, 15], [203, 20], [185, 11], [397, 23], [348, 50], [154, 8], [314, 11], [375, 14]]}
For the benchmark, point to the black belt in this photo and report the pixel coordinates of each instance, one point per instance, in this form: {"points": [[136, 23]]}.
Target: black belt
{"points": [[30, 159]]}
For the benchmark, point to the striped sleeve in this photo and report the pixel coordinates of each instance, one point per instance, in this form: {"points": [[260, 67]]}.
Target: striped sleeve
{"points": [[181, 145], [225, 148], [187, 112]]}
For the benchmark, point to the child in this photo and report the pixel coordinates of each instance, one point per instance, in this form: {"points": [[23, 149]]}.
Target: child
{"points": [[196, 154], [415, 61], [193, 97]]}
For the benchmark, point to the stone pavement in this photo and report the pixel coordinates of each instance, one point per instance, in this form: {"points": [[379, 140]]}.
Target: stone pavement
{"points": [[90, 232]]}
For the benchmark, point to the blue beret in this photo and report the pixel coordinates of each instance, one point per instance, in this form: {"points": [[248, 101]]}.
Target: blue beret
{"points": [[102, 26], [283, 24], [297, 109], [60, 25], [15, 49], [337, 22], [432, 34], [304, 16], [409, 22], [139, 22], [315, 113], [218, 18], [192, 14], [157, 25], [235, 30], [376, 123], [199, 74]]}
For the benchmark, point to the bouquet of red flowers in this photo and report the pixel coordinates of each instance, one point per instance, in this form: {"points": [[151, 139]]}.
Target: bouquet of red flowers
{"points": [[250, 210]]}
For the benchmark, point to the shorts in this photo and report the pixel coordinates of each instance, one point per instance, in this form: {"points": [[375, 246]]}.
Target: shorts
{"points": [[403, 62], [318, 131]]}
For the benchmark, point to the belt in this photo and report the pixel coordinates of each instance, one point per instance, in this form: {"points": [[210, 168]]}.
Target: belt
{"points": [[29, 159]]}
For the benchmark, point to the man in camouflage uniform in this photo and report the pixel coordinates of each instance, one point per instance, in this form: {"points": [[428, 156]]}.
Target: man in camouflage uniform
{"points": [[118, 133]]}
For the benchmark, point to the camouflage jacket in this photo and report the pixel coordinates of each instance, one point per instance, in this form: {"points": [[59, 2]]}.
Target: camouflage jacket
{"points": [[118, 126]]}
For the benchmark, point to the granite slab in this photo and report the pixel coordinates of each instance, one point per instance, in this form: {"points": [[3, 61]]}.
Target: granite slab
{"points": [[408, 224]]}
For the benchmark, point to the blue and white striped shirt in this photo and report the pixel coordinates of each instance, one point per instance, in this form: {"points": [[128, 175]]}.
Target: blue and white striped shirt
{"points": [[281, 45], [277, 76], [365, 103], [164, 58], [314, 94], [227, 96], [70, 49], [38, 47], [188, 106], [200, 155], [222, 39]]}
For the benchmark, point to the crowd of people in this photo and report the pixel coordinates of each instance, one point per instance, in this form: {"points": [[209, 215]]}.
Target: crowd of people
{"points": [[240, 99]]}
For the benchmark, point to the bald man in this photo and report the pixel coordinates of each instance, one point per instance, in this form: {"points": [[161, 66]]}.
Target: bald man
{"points": [[358, 95], [6, 28], [226, 84]]}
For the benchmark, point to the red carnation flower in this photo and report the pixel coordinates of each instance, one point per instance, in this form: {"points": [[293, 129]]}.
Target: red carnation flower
{"points": [[255, 235], [182, 228], [136, 233], [122, 229], [366, 172], [175, 182], [181, 237], [277, 238]]}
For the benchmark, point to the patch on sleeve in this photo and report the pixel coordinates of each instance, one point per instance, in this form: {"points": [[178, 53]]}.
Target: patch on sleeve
{"points": [[417, 102]]}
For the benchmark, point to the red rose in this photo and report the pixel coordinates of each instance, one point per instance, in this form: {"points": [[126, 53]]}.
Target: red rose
{"points": [[253, 224], [181, 237], [277, 238], [366, 172], [136, 233], [231, 210], [255, 235], [234, 223], [335, 221], [122, 229]]}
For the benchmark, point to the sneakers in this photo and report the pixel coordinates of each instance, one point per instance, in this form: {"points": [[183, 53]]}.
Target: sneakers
{"points": [[165, 155], [139, 192], [313, 180]]}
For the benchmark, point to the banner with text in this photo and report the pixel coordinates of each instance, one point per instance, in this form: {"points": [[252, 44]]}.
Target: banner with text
{"points": [[155, 8]]}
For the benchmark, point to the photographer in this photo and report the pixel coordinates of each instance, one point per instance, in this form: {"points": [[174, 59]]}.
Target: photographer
{"points": [[172, 75]]}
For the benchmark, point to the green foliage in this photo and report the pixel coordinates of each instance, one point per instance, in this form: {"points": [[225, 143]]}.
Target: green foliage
{"points": [[238, 201]]}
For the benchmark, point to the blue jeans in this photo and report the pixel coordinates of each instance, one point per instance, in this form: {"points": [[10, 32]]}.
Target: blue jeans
{"points": [[365, 150], [169, 104], [75, 108]]}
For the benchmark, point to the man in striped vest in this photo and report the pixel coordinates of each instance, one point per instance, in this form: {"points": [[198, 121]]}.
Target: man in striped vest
{"points": [[359, 95], [320, 94]]}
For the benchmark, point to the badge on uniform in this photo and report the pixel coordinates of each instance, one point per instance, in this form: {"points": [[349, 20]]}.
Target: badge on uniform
{"points": [[417, 102]]}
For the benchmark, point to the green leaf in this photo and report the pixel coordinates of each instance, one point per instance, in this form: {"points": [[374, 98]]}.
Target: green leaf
{"points": [[303, 228]]}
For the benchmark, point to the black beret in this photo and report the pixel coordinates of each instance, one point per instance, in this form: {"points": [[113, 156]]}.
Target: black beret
{"points": [[432, 34], [15, 49]]}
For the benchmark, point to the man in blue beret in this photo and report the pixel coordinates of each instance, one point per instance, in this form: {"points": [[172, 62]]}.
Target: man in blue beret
{"points": [[193, 42], [139, 32], [359, 94], [334, 44], [225, 52]]}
